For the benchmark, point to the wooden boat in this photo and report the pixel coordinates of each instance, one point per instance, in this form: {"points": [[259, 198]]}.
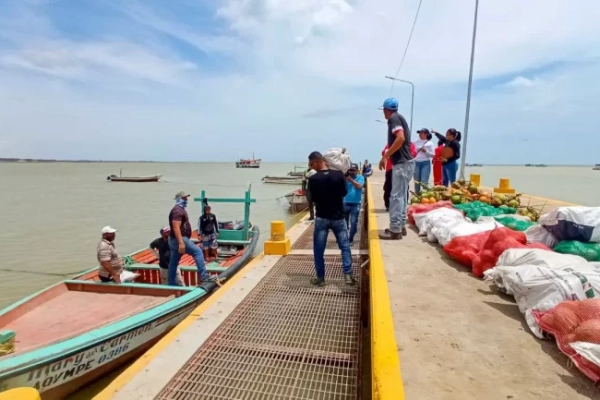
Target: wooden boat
{"points": [[297, 199], [74, 332], [298, 172], [248, 162], [121, 178], [283, 180], [151, 178]]}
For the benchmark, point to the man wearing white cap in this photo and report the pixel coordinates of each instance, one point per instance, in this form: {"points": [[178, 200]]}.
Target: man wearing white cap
{"points": [[160, 248], [111, 264]]}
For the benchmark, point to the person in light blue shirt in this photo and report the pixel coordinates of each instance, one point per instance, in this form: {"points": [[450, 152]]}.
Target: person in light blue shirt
{"points": [[353, 199]]}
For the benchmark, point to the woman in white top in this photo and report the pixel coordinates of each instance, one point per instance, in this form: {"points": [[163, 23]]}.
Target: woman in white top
{"points": [[425, 152]]}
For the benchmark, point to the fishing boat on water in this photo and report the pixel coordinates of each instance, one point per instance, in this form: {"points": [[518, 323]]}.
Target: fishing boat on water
{"points": [[248, 162], [283, 180], [298, 171], [121, 178], [70, 334], [297, 200]]}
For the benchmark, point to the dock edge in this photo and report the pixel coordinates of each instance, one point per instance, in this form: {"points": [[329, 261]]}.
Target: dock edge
{"points": [[386, 377]]}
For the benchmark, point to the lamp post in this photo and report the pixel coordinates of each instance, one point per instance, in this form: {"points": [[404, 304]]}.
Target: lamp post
{"points": [[412, 101], [468, 108]]}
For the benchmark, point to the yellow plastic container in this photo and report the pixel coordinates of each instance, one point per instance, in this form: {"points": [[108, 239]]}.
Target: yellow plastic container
{"points": [[21, 394]]}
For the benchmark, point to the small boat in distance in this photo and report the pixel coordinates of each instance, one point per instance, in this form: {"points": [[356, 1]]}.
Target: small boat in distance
{"points": [[72, 333], [248, 162], [298, 171], [121, 178], [283, 180], [151, 178], [474, 165]]}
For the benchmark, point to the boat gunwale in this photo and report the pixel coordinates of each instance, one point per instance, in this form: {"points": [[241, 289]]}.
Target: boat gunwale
{"points": [[16, 364]]}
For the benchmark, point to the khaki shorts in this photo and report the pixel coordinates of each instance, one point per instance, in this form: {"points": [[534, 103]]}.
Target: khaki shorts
{"points": [[164, 277]]}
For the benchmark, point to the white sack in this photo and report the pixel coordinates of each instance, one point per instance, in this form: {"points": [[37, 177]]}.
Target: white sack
{"points": [[445, 230], [424, 221], [539, 288], [337, 159], [539, 234], [573, 223]]}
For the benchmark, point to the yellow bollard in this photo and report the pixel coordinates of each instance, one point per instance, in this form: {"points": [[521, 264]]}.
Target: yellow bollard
{"points": [[278, 244], [504, 187], [26, 393], [475, 179]]}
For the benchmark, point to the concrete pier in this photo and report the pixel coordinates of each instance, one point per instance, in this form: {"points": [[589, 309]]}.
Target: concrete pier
{"points": [[457, 339]]}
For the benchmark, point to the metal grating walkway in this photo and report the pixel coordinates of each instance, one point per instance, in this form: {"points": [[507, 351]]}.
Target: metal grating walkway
{"points": [[286, 340]]}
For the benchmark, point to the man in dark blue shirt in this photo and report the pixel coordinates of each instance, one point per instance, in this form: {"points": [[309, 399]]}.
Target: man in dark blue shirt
{"points": [[403, 167], [328, 189]]}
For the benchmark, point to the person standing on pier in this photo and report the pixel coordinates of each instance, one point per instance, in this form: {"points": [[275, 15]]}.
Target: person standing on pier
{"points": [[353, 199], [449, 162], [180, 242], [423, 157], [403, 167], [438, 173], [328, 189]]}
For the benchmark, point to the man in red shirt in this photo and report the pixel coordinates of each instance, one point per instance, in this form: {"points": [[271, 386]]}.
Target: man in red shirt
{"points": [[387, 185]]}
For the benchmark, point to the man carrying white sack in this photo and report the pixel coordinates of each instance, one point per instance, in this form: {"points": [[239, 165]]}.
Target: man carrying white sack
{"points": [[403, 167]]}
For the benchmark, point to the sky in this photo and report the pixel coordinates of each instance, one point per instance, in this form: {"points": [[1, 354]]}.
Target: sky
{"points": [[216, 80]]}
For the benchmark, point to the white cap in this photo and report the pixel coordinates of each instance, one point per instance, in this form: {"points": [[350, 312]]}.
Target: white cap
{"points": [[108, 229]]}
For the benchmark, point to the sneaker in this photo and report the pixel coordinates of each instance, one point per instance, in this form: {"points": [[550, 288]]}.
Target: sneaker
{"points": [[317, 282], [349, 280], [212, 278]]}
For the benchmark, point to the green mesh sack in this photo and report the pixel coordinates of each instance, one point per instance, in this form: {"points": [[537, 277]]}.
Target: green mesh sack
{"points": [[589, 251], [478, 209], [514, 224]]}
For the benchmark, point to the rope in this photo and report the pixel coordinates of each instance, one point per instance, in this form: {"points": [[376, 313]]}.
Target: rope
{"points": [[407, 45]]}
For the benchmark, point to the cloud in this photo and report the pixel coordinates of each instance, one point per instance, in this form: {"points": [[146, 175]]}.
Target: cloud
{"points": [[197, 80]]}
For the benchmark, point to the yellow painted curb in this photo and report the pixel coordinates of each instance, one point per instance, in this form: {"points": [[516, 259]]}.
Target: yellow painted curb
{"points": [[386, 377], [141, 363]]}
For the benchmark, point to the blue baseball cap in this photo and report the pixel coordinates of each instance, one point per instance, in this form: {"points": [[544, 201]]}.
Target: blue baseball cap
{"points": [[390, 104]]}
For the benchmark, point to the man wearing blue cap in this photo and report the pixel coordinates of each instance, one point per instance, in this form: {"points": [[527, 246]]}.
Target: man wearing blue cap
{"points": [[403, 167]]}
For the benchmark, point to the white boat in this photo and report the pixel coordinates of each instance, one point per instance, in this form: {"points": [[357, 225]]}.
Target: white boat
{"points": [[297, 199], [283, 180]]}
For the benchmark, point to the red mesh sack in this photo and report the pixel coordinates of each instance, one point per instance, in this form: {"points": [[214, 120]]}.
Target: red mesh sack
{"points": [[499, 240], [423, 208], [574, 321], [464, 248]]}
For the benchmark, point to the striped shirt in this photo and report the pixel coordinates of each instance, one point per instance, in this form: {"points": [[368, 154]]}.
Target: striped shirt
{"points": [[108, 252]]}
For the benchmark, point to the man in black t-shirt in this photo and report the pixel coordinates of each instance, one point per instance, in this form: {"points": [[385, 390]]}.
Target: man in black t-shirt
{"points": [[403, 167], [180, 242], [328, 189], [160, 248], [208, 231]]}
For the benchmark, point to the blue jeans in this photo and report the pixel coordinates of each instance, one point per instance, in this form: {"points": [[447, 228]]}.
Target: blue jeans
{"points": [[192, 250], [449, 171], [422, 173], [352, 210], [401, 175], [340, 230]]}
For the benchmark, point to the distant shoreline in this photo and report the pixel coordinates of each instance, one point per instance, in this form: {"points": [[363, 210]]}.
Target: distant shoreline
{"points": [[51, 160]]}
